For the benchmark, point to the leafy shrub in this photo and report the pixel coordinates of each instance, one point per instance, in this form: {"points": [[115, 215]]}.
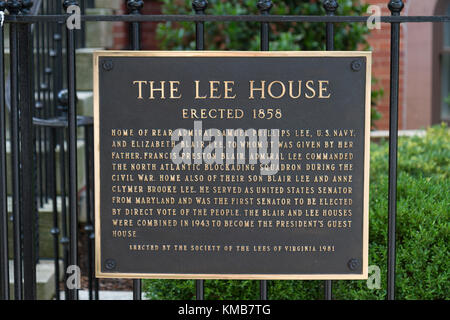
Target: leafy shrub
{"points": [[423, 230], [246, 35]]}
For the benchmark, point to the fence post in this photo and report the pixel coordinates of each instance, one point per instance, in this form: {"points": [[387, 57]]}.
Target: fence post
{"points": [[27, 161], [4, 262], [330, 7], [73, 172], [89, 228], [64, 240], [395, 6], [264, 7], [199, 7], [135, 7], [14, 9]]}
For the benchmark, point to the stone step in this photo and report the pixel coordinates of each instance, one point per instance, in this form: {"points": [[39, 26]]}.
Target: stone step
{"points": [[84, 65], [106, 295], [46, 246], [45, 279], [85, 102]]}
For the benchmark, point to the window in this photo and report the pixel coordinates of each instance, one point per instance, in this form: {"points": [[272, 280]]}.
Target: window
{"points": [[445, 70], [440, 111]]}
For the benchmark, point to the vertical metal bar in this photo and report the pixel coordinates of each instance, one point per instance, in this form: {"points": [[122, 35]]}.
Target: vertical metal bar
{"points": [[72, 127], [134, 8], [330, 7], [264, 9], [92, 198], [395, 6], [47, 105], [83, 25], [92, 206], [62, 109], [39, 106], [137, 289], [64, 238], [14, 9], [55, 229], [28, 5], [200, 289], [27, 163], [89, 227], [4, 263], [199, 7]]}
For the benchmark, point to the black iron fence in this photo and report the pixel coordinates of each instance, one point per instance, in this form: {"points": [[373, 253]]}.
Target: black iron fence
{"points": [[38, 92]]}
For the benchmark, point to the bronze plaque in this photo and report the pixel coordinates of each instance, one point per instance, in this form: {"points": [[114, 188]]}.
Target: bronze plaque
{"points": [[232, 165]]}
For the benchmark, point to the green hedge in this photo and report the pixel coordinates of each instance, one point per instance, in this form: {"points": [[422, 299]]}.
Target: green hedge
{"points": [[423, 231]]}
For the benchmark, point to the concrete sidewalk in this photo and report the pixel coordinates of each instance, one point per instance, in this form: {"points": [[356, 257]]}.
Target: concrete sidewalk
{"points": [[106, 295]]}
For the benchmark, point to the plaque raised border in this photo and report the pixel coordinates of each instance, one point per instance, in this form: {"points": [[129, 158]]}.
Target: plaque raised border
{"points": [[361, 54]]}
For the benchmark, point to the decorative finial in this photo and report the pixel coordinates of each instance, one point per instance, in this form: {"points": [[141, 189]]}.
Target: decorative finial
{"points": [[63, 102], [396, 6], [14, 7], [68, 3], [26, 6], [135, 6], [3, 5], [264, 6], [199, 6], [330, 6]]}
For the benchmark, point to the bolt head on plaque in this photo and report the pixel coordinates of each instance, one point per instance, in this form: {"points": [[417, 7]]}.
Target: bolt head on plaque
{"points": [[353, 264], [356, 65], [107, 65], [110, 264]]}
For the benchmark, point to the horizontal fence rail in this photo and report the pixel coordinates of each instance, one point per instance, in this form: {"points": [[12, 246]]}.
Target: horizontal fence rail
{"points": [[224, 18], [43, 117]]}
